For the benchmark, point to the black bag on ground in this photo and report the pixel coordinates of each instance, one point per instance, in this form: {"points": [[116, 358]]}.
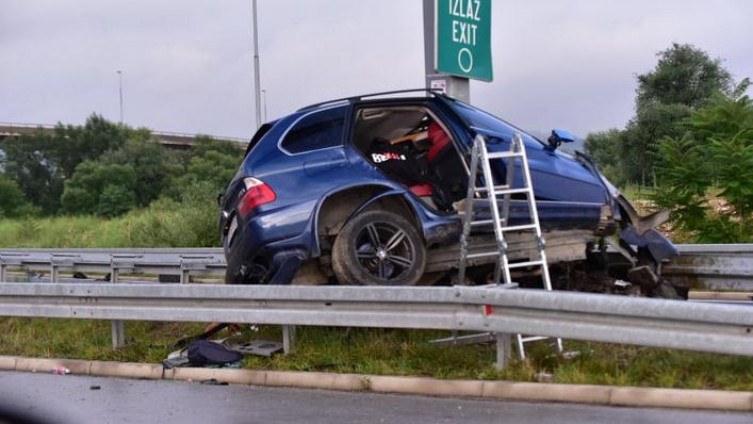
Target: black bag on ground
{"points": [[205, 352]]}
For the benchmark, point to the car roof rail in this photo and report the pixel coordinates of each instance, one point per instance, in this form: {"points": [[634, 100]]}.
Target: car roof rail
{"points": [[353, 99]]}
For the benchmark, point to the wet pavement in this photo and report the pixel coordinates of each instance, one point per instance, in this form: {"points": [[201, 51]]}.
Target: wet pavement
{"points": [[79, 400]]}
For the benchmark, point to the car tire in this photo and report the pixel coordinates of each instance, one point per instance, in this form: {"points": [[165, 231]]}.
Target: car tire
{"points": [[378, 248]]}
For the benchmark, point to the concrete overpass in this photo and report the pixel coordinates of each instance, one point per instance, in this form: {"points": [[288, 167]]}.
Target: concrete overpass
{"points": [[168, 139]]}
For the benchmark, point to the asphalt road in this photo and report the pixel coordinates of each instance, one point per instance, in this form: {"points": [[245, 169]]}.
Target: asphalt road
{"points": [[80, 400]]}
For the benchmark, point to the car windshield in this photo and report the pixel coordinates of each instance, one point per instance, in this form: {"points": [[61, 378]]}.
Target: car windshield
{"points": [[479, 119]]}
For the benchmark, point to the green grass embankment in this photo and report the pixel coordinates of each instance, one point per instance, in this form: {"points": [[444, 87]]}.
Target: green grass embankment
{"points": [[163, 224], [391, 352]]}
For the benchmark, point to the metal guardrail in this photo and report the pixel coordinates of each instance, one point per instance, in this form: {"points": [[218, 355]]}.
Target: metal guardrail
{"points": [[182, 262], [683, 325], [616, 319], [712, 267], [699, 266]]}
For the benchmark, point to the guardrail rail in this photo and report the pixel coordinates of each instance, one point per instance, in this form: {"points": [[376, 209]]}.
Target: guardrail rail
{"points": [[703, 327]]}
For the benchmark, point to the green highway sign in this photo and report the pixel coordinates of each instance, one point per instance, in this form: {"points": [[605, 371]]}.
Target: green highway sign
{"points": [[463, 38]]}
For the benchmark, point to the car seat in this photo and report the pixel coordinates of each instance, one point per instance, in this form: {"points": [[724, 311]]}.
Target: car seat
{"points": [[446, 173]]}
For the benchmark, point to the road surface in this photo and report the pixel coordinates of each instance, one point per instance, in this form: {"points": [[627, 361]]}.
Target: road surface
{"points": [[81, 400]]}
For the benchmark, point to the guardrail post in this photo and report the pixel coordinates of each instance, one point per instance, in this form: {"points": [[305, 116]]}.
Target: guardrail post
{"points": [[57, 262], [5, 262], [288, 338], [117, 328], [54, 273], [504, 350], [188, 264]]}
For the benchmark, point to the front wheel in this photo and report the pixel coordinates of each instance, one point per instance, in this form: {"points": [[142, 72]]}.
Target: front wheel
{"points": [[378, 248]]}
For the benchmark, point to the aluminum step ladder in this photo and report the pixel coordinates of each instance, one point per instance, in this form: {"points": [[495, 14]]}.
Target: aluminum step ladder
{"points": [[481, 158]]}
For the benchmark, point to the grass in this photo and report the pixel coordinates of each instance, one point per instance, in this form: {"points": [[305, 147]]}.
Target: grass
{"points": [[165, 223], [390, 352]]}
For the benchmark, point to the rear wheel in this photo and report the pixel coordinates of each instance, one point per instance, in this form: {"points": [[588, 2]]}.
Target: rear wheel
{"points": [[378, 248]]}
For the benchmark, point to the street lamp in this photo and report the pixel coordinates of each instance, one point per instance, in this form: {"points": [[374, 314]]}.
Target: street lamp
{"points": [[120, 89], [264, 101], [256, 67]]}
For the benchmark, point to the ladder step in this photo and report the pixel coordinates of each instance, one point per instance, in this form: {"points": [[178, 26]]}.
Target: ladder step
{"points": [[482, 222], [511, 191], [520, 227], [503, 155], [526, 264], [533, 338], [495, 188], [482, 255]]}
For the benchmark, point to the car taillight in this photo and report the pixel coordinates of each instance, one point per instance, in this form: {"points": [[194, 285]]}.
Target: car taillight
{"points": [[257, 193]]}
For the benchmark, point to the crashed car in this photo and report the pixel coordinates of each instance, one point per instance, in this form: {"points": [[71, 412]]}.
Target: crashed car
{"points": [[368, 189]]}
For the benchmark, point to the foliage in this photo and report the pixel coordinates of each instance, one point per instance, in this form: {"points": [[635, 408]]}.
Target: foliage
{"points": [[684, 79], [30, 163], [115, 200], [155, 165], [12, 201], [373, 351], [684, 75], [604, 147], [72, 145], [639, 140], [108, 169], [189, 222], [708, 173], [84, 191]]}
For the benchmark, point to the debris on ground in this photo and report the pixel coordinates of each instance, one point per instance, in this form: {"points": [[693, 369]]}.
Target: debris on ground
{"points": [[543, 377], [199, 351], [61, 370]]}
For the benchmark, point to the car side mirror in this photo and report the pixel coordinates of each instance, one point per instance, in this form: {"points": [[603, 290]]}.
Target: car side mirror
{"points": [[558, 137]]}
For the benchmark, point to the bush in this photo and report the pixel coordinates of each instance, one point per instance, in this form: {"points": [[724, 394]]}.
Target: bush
{"points": [[707, 175], [12, 200], [190, 222]]}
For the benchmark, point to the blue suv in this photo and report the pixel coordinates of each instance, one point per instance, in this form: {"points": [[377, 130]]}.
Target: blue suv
{"points": [[367, 189]]}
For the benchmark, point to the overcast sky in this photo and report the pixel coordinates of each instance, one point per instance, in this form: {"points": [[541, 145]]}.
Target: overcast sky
{"points": [[188, 64]]}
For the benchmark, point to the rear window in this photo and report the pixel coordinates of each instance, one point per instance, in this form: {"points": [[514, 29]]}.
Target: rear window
{"points": [[316, 131]]}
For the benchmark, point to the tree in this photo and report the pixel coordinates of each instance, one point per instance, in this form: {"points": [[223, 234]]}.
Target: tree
{"points": [[205, 143], [72, 145], [153, 163], [683, 80], [94, 183], [29, 162], [684, 75], [212, 163], [12, 200], [604, 148], [638, 149], [116, 200]]}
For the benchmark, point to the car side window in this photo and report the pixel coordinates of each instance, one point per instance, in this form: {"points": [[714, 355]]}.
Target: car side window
{"points": [[318, 130]]}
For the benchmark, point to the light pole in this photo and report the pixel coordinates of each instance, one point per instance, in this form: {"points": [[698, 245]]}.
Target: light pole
{"points": [[257, 79], [120, 89], [264, 101]]}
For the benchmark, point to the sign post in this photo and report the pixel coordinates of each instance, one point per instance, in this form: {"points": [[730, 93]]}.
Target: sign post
{"points": [[457, 42]]}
